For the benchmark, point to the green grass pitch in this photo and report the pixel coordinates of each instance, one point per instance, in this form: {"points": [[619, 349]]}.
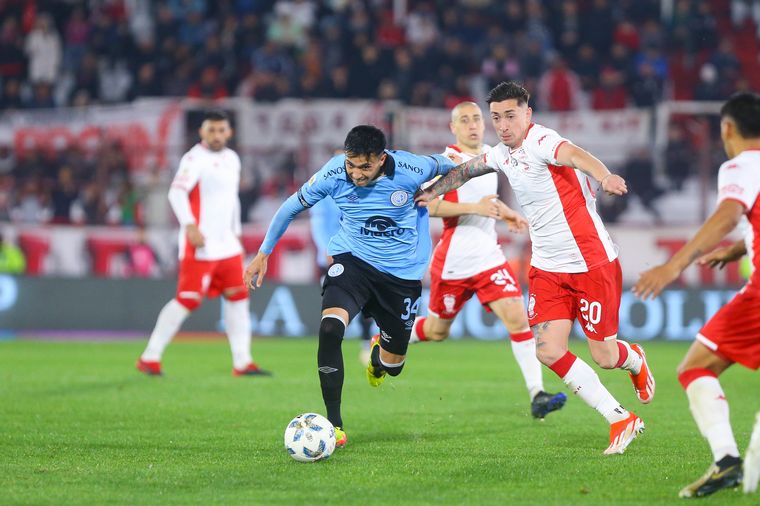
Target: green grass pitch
{"points": [[78, 425]]}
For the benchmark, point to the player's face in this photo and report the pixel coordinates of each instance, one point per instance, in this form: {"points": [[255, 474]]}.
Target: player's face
{"points": [[362, 169], [215, 134], [468, 127], [511, 121]]}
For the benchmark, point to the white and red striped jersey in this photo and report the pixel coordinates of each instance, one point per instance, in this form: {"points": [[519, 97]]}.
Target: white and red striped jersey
{"points": [[559, 203], [205, 192], [469, 244], [739, 180]]}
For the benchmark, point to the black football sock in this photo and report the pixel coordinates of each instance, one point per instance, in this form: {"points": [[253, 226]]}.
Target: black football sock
{"points": [[330, 363]]}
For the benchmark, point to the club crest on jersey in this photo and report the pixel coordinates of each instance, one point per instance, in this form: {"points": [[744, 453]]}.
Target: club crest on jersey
{"points": [[449, 301], [399, 198], [335, 270], [532, 306]]}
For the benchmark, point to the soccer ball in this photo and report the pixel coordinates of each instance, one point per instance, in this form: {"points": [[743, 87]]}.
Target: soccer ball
{"points": [[310, 437]]}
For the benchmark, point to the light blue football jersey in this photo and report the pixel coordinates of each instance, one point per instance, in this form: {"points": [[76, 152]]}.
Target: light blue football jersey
{"points": [[324, 221], [380, 223]]}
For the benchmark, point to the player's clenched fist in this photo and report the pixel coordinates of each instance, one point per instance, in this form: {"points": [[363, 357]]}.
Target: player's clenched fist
{"points": [[614, 185], [254, 273]]}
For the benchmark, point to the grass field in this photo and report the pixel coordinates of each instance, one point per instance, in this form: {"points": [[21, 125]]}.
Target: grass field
{"points": [[78, 425]]}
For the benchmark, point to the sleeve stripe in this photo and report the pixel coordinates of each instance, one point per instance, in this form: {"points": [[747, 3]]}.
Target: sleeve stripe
{"points": [[302, 200], [437, 165], [556, 150]]}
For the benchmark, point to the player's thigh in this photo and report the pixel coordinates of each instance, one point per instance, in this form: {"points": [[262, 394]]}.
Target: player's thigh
{"points": [[699, 356], [394, 306], [549, 297], [448, 296], [193, 281], [733, 333], [551, 339], [227, 279], [499, 292], [346, 289], [597, 301]]}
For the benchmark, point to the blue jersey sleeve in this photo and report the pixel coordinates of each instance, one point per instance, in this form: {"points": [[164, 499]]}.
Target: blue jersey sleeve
{"points": [[321, 184], [437, 165], [282, 218]]}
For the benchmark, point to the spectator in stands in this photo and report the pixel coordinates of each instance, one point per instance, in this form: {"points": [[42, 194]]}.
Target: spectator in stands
{"points": [[31, 203], [12, 59], [42, 97], [43, 47], [11, 96], [610, 94], [559, 88], [12, 259], [76, 36], [646, 87], [639, 173], [209, 86], [63, 196], [679, 157], [708, 88]]}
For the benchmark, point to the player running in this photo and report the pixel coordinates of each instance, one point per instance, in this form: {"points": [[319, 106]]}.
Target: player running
{"points": [[469, 261], [379, 254], [733, 334], [575, 272], [204, 197]]}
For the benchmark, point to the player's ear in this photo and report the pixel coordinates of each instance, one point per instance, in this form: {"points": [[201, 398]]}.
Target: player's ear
{"points": [[451, 127], [529, 113]]}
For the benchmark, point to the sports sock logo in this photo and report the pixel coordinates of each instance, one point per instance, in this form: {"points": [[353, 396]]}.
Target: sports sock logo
{"points": [[327, 369]]}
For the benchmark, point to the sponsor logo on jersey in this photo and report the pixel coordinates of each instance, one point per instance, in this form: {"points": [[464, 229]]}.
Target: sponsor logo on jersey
{"points": [[335, 270], [449, 302], [590, 327], [731, 188], [334, 172], [381, 226], [532, 306], [406, 166], [541, 139], [352, 198], [399, 198]]}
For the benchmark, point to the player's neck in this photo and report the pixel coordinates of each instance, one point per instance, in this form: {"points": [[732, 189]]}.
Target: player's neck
{"points": [[470, 151], [747, 145]]}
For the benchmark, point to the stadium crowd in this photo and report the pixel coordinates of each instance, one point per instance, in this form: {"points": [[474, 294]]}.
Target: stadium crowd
{"points": [[571, 54]]}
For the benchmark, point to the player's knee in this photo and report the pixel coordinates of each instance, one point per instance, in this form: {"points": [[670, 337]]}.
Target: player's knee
{"points": [[547, 355], [331, 329], [191, 302]]}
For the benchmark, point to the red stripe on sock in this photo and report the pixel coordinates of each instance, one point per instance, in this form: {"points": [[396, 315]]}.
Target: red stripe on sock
{"points": [[519, 337], [690, 375], [561, 366], [622, 355], [419, 328]]}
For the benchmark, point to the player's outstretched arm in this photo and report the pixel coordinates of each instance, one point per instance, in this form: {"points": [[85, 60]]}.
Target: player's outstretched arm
{"points": [[487, 207], [257, 268], [456, 177], [721, 222], [719, 257], [571, 155], [514, 220]]}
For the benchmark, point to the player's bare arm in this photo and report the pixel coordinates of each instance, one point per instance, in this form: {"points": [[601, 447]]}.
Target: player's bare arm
{"points": [[723, 220], [573, 156], [487, 207], [458, 176], [254, 273], [720, 257], [514, 220]]}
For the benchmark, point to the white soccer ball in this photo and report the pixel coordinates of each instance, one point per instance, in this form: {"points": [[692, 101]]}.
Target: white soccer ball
{"points": [[310, 437]]}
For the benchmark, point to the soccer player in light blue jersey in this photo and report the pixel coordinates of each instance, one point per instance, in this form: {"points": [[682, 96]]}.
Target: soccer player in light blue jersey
{"points": [[324, 222], [379, 254]]}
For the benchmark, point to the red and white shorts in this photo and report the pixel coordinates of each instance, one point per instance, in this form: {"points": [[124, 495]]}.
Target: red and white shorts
{"points": [[592, 297], [210, 278], [734, 331], [447, 296]]}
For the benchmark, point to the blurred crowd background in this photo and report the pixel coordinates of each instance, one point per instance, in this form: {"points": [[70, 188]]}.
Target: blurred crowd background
{"points": [[571, 55]]}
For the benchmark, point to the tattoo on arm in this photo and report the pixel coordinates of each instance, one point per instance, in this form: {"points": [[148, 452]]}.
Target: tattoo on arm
{"points": [[460, 174]]}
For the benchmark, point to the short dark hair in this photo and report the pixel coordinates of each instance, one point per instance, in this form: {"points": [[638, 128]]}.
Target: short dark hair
{"points": [[507, 90], [744, 109], [215, 115], [364, 140]]}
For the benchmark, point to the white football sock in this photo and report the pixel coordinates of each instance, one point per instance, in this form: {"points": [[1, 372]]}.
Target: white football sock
{"points": [[414, 336], [525, 355], [237, 323], [634, 361], [710, 410], [584, 382], [169, 321]]}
